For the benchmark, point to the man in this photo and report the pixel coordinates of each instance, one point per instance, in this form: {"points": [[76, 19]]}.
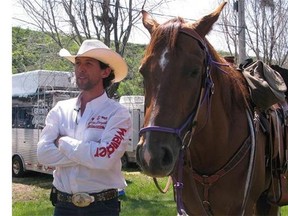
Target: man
{"points": [[85, 137]]}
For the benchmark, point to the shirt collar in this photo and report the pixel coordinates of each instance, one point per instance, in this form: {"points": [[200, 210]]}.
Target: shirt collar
{"points": [[95, 102]]}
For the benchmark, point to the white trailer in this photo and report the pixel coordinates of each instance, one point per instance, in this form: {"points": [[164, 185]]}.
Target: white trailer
{"points": [[34, 94], [135, 104]]}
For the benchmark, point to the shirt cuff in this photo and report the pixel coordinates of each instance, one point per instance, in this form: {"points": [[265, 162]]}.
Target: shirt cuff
{"points": [[67, 145]]}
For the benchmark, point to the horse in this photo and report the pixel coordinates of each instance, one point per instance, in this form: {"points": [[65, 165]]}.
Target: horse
{"points": [[199, 126]]}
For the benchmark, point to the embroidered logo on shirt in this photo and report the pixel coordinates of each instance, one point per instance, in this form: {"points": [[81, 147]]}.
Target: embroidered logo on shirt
{"points": [[99, 122], [114, 144]]}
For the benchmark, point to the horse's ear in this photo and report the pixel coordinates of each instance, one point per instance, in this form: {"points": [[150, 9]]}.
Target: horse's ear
{"points": [[204, 25], [149, 23]]}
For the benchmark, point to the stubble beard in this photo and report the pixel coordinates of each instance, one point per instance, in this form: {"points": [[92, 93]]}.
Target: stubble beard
{"points": [[86, 86]]}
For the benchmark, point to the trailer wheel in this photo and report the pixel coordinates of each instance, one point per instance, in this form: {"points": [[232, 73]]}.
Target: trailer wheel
{"points": [[125, 162], [17, 167]]}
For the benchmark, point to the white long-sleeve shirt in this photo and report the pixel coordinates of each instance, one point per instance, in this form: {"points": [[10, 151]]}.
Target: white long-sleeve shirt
{"points": [[89, 155]]}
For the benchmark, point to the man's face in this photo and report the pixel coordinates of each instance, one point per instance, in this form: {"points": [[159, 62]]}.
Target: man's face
{"points": [[88, 73]]}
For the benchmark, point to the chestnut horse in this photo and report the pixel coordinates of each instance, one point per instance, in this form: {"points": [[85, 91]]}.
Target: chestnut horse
{"points": [[199, 126]]}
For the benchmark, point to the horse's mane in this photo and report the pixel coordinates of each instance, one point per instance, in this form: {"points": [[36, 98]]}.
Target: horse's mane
{"points": [[233, 81], [167, 33]]}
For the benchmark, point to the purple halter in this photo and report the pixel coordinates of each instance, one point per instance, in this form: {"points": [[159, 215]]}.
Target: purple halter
{"points": [[177, 131], [207, 83]]}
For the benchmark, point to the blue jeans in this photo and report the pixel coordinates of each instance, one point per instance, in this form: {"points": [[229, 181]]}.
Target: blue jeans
{"points": [[103, 208]]}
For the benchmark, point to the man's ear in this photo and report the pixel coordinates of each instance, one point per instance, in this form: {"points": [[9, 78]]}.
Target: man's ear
{"points": [[106, 72]]}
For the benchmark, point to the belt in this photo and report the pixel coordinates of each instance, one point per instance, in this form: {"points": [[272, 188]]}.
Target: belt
{"points": [[85, 199]]}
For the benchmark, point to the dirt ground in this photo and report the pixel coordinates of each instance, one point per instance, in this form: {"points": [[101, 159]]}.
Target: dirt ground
{"points": [[30, 187], [35, 185]]}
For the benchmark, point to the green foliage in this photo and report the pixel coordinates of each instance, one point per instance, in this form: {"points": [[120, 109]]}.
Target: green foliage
{"points": [[284, 210], [32, 50], [133, 84], [22, 57]]}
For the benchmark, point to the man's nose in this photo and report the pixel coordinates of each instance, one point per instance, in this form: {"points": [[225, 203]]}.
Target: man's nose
{"points": [[80, 69]]}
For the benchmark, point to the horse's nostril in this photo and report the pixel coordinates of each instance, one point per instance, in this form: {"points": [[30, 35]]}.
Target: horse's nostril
{"points": [[167, 157]]}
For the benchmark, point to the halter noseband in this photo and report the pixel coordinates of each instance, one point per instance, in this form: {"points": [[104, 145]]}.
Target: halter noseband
{"points": [[177, 131]]}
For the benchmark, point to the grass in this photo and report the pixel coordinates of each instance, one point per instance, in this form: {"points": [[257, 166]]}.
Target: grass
{"points": [[284, 210], [144, 198], [31, 196]]}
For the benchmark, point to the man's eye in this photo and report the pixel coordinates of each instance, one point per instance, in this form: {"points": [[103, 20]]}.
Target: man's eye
{"points": [[89, 63]]}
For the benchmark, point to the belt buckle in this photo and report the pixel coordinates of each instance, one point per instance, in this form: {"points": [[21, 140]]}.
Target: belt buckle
{"points": [[82, 199]]}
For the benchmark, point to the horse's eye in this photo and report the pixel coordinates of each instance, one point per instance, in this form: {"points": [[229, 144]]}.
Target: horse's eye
{"points": [[192, 72]]}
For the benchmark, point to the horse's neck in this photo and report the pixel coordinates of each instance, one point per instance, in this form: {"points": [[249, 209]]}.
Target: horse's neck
{"points": [[220, 131]]}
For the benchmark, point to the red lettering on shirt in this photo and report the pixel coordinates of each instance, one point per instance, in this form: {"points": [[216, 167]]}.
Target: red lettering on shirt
{"points": [[110, 149], [98, 122], [115, 143], [102, 152]]}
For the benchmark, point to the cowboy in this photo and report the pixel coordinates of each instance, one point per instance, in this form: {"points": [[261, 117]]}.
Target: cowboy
{"points": [[85, 137]]}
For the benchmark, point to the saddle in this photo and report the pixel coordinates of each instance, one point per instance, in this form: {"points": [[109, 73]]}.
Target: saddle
{"points": [[277, 117], [267, 86], [267, 91]]}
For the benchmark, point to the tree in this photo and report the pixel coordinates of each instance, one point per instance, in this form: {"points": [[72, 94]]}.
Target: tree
{"points": [[33, 50], [229, 27], [110, 21], [106, 20], [266, 29]]}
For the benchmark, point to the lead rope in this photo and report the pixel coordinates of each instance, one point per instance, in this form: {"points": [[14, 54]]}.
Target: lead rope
{"points": [[178, 183], [206, 92], [169, 181], [178, 186], [251, 163]]}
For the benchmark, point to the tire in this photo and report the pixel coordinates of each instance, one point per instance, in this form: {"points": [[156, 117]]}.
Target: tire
{"points": [[17, 167], [125, 162]]}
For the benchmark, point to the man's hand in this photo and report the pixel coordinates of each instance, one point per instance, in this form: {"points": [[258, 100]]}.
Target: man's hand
{"points": [[56, 142]]}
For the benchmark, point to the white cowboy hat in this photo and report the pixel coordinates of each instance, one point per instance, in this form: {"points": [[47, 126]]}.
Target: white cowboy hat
{"points": [[93, 48]]}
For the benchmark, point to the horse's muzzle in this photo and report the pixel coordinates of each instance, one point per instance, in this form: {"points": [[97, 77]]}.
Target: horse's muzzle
{"points": [[156, 161]]}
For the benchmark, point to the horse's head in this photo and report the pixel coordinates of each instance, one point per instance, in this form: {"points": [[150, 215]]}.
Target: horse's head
{"points": [[175, 72]]}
